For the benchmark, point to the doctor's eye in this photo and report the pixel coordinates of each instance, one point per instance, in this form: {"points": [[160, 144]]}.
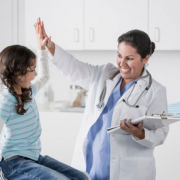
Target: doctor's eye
{"points": [[119, 56], [129, 58]]}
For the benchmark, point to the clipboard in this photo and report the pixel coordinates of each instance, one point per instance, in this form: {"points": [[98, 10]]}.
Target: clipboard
{"points": [[152, 122]]}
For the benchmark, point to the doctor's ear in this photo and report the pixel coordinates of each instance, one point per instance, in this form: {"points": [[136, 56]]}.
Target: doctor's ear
{"points": [[145, 60]]}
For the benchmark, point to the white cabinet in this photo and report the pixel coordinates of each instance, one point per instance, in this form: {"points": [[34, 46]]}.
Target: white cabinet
{"points": [[59, 134], [103, 21], [164, 24], [106, 20], [63, 21], [90, 24]]}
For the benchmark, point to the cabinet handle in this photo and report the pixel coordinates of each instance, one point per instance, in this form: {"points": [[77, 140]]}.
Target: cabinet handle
{"points": [[76, 35], [156, 34], [91, 34]]}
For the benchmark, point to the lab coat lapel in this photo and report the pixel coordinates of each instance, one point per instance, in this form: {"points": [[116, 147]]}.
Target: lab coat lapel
{"points": [[138, 90], [110, 84]]}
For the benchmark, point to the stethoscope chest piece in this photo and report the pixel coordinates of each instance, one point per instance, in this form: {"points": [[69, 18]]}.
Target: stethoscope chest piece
{"points": [[100, 105]]}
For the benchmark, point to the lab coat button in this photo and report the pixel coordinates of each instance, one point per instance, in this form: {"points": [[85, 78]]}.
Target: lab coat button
{"points": [[113, 158]]}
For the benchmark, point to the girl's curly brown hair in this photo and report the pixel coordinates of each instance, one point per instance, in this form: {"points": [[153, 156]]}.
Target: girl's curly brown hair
{"points": [[14, 62]]}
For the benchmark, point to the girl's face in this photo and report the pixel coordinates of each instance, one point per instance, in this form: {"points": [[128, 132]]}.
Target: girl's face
{"points": [[25, 81], [129, 62]]}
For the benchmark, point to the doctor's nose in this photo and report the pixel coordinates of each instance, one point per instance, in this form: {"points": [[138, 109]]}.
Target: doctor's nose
{"points": [[122, 62]]}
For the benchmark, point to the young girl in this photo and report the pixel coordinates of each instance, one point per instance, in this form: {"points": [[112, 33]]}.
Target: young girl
{"points": [[20, 157]]}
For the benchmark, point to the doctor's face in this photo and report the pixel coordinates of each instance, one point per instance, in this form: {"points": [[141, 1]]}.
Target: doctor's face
{"points": [[129, 62]]}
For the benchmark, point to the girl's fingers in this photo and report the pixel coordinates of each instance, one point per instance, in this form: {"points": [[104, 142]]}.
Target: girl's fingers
{"points": [[40, 30], [38, 20], [36, 28], [44, 32]]}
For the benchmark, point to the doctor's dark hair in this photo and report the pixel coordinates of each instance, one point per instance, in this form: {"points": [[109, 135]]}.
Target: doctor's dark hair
{"points": [[138, 40], [14, 61]]}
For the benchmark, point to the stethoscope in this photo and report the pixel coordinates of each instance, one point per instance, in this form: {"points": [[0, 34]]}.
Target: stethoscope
{"points": [[100, 105]]}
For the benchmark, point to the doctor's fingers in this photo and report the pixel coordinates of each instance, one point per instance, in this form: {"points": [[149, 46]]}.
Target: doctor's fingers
{"points": [[124, 126], [140, 126], [132, 128], [45, 41], [123, 122]]}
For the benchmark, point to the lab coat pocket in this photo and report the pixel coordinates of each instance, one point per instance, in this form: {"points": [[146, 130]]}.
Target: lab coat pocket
{"points": [[137, 168]]}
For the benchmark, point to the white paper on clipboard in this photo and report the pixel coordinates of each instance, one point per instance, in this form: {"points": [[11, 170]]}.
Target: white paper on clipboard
{"points": [[149, 122]]}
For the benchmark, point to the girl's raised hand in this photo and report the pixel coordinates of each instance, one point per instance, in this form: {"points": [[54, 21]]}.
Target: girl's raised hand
{"points": [[41, 40], [49, 43]]}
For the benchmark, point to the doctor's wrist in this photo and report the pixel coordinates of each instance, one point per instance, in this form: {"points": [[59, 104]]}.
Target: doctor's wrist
{"points": [[140, 135], [51, 48]]}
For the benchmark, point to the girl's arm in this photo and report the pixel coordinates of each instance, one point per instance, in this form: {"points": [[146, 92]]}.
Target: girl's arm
{"points": [[43, 69]]}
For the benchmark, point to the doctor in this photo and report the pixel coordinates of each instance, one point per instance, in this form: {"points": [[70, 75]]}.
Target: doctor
{"points": [[127, 155]]}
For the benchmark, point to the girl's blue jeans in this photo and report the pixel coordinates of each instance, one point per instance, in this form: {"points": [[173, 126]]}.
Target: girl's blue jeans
{"points": [[46, 168]]}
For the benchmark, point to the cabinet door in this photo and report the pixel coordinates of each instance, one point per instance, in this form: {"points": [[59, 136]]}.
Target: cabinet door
{"points": [[106, 20], [63, 21], [6, 37], [164, 24]]}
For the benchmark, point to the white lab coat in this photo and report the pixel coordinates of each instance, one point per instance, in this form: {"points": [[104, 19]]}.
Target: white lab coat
{"points": [[131, 158]]}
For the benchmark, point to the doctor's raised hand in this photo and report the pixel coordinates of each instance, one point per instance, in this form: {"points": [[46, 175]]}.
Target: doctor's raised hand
{"points": [[122, 92]]}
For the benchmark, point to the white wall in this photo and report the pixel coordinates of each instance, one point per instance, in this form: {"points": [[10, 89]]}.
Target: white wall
{"points": [[163, 65]]}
